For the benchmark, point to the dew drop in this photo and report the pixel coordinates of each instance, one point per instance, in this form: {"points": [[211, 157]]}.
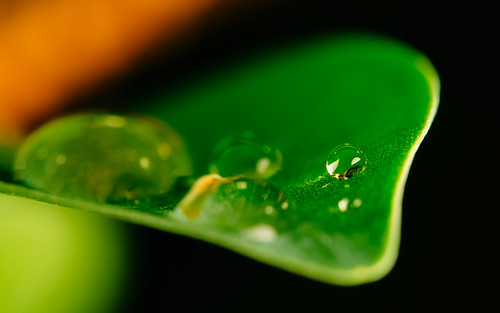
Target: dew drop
{"points": [[231, 201], [256, 195], [345, 161], [262, 233], [244, 155], [357, 203], [344, 204], [102, 157]]}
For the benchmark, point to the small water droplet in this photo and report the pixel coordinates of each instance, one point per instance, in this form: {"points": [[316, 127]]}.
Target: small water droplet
{"points": [[244, 192], [244, 155], [233, 201], [357, 203], [102, 157], [262, 233], [346, 203], [343, 204], [345, 161]]}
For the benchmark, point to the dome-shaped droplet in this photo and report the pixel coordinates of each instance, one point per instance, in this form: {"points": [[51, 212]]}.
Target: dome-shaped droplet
{"points": [[345, 161], [246, 156], [244, 193], [233, 201], [104, 158]]}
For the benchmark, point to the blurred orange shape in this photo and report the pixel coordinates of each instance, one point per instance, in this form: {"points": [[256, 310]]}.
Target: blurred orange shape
{"points": [[52, 49]]}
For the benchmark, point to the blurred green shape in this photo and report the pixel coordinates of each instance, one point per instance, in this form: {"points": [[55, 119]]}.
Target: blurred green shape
{"points": [[373, 92], [58, 260]]}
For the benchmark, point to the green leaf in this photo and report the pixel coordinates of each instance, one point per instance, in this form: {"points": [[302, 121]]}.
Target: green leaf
{"points": [[372, 92], [57, 260]]}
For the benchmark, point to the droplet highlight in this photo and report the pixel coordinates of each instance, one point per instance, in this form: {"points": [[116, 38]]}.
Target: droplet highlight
{"points": [[244, 155], [346, 161], [103, 158]]}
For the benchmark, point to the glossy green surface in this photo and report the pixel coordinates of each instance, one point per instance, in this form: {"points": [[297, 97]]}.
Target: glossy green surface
{"points": [[375, 93]]}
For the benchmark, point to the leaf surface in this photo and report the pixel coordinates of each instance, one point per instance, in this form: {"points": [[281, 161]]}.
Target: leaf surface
{"points": [[372, 92]]}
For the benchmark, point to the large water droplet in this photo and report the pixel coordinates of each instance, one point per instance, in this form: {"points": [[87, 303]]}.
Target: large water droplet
{"points": [[104, 158], [345, 161], [246, 156]]}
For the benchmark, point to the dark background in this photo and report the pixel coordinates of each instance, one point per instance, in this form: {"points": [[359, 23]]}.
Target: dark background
{"points": [[449, 247]]}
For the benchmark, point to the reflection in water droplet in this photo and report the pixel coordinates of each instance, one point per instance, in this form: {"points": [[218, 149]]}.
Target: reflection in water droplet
{"points": [[345, 161], [246, 156], [104, 158]]}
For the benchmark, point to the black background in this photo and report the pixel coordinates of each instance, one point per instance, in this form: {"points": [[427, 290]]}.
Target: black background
{"points": [[449, 247]]}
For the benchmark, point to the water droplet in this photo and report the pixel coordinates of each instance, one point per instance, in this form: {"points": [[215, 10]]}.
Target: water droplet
{"points": [[343, 204], [256, 195], [104, 158], [244, 155], [357, 203], [346, 203], [345, 161], [232, 201]]}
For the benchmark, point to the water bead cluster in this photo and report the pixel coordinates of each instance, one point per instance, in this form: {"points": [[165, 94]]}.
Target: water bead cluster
{"points": [[239, 166], [109, 158]]}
